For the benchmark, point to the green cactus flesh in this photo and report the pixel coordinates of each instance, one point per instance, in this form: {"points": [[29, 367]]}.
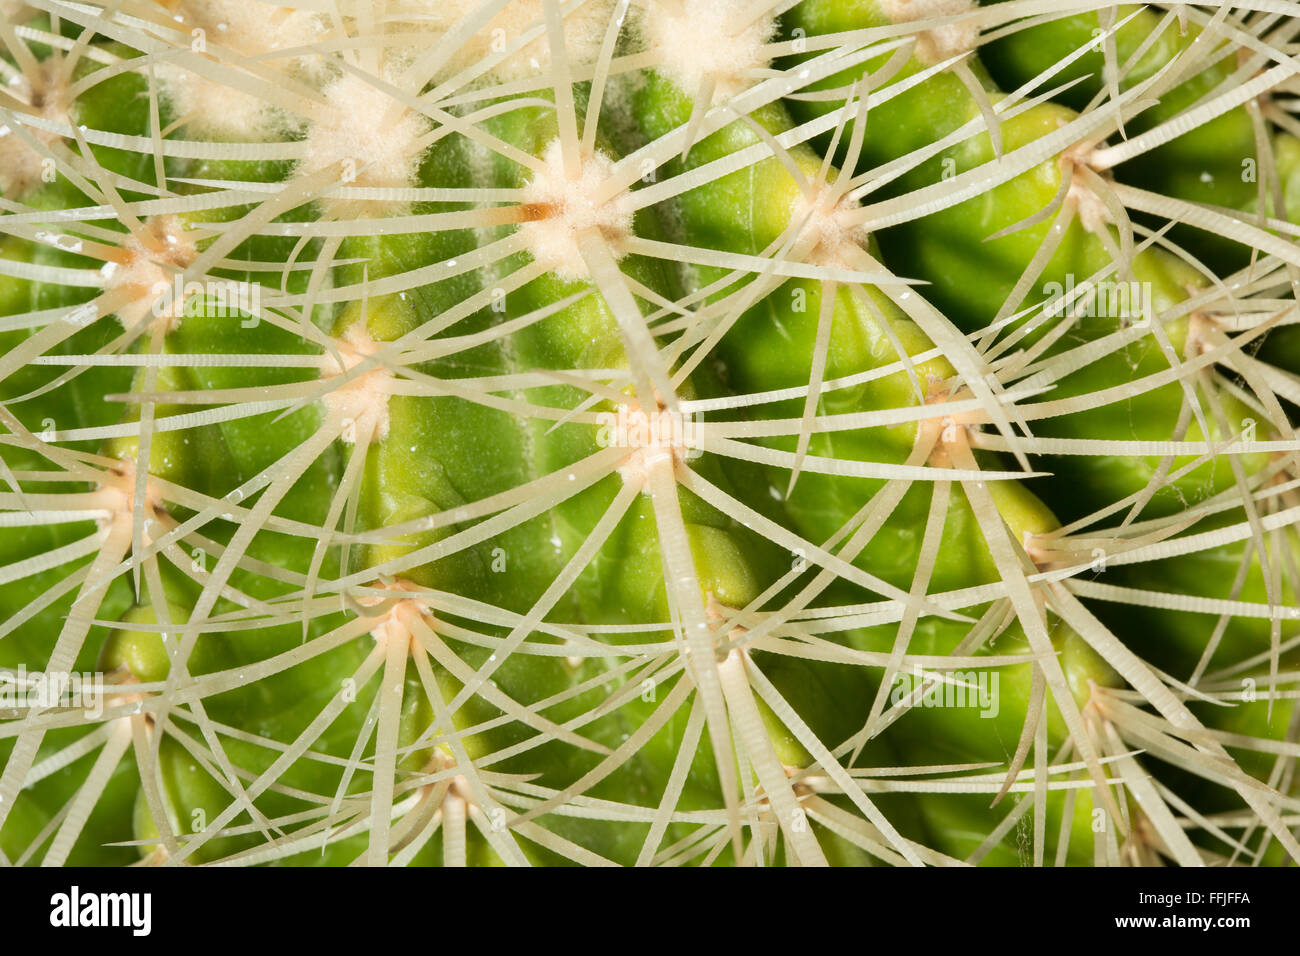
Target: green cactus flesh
{"points": [[855, 432]]}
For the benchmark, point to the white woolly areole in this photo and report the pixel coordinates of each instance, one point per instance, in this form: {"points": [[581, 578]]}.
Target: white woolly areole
{"points": [[459, 789], [939, 43], [21, 167], [656, 437], [1043, 556], [558, 209], [361, 401], [394, 622], [354, 129], [1088, 206], [698, 39], [144, 275], [249, 28], [948, 432], [1204, 332], [116, 496], [827, 224], [425, 22]]}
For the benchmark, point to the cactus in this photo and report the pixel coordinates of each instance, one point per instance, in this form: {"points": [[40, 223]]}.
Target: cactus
{"points": [[648, 432]]}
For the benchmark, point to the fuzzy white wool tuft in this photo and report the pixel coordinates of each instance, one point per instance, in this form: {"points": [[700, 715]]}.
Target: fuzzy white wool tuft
{"points": [[356, 129], [939, 43], [950, 432], [392, 623], [249, 28], [828, 225], [701, 39], [21, 167], [362, 400], [660, 436], [116, 496], [563, 208], [146, 273], [423, 22], [1092, 212]]}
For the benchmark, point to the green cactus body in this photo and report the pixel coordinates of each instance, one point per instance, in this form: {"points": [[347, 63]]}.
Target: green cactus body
{"points": [[642, 433]]}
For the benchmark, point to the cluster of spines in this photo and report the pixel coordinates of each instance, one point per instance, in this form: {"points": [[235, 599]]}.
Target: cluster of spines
{"points": [[360, 127]]}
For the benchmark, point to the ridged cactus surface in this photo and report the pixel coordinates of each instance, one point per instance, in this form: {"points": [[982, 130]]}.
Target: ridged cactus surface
{"points": [[656, 432]]}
